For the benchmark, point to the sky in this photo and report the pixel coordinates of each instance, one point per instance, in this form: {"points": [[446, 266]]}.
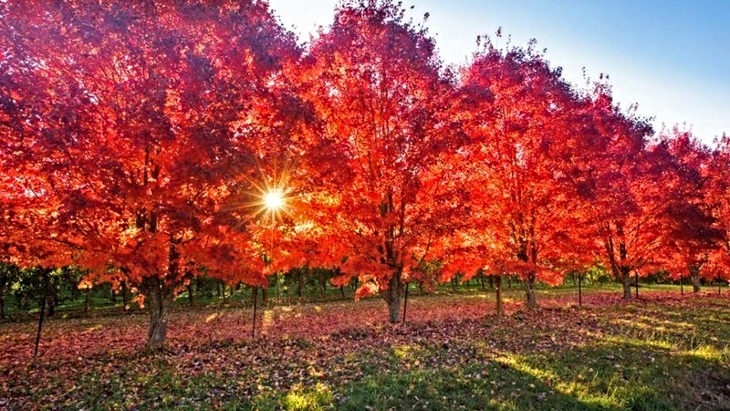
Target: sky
{"points": [[672, 57]]}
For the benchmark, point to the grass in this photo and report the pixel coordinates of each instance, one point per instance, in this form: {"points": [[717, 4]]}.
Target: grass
{"points": [[665, 352]]}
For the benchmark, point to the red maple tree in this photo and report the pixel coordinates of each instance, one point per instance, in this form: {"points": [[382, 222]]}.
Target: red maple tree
{"points": [[385, 190], [525, 123], [147, 122]]}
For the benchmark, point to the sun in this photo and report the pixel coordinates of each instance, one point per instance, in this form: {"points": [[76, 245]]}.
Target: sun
{"points": [[274, 200]]}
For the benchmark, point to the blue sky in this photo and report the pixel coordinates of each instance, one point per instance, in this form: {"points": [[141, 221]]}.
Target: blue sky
{"points": [[671, 57]]}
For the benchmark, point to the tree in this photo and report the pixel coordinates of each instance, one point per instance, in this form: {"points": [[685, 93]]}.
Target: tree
{"points": [[719, 197], [523, 119], [144, 121], [623, 190], [386, 184], [692, 235]]}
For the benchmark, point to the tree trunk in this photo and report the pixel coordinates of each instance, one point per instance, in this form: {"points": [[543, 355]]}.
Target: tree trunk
{"points": [[51, 303], [300, 283], [255, 307], [498, 288], [530, 291], [681, 285], [87, 293], [580, 291], [392, 298], [405, 302], [342, 291], [159, 297], [481, 279], [2, 306], [191, 298], [124, 295], [626, 282], [46, 284], [694, 275]]}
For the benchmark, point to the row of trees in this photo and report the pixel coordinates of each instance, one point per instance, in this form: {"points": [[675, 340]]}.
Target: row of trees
{"points": [[140, 140]]}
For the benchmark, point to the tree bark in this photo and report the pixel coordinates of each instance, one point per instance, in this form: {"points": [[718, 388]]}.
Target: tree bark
{"points": [[392, 298], [159, 296], [87, 294], [626, 282], [405, 302], [51, 303], [530, 291], [124, 295], [191, 298], [580, 291], [498, 288], [694, 275], [46, 285], [300, 282]]}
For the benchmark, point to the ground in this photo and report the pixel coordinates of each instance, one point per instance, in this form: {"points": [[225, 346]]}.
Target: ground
{"points": [[664, 352]]}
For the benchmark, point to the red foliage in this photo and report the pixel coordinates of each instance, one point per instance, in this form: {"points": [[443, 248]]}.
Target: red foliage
{"points": [[387, 185]]}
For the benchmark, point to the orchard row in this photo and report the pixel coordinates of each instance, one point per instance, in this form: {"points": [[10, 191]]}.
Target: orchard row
{"points": [[149, 143]]}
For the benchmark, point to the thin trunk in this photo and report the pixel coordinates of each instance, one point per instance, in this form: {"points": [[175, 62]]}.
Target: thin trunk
{"points": [[159, 297], [342, 291], [498, 288], [530, 291], [491, 281], [265, 295], [124, 295], [626, 282], [681, 285], [392, 298], [191, 298], [223, 293], [509, 281], [694, 275], [481, 278], [405, 302], [87, 292], [42, 312], [2, 306], [637, 283], [300, 283], [255, 307], [580, 291], [51, 303]]}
